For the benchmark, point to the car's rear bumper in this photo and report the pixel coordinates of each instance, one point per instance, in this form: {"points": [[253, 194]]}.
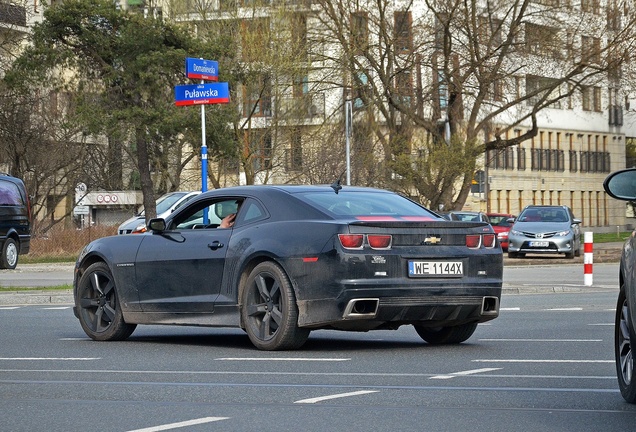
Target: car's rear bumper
{"points": [[366, 309]]}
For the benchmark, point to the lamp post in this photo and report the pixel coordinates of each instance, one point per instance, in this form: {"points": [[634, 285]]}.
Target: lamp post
{"points": [[348, 114]]}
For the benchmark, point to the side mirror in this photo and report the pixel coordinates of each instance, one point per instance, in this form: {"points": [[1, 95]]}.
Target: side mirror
{"points": [[576, 221], [157, 225], [621, 185]]}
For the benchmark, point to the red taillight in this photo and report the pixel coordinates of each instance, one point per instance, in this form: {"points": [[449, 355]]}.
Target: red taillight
{"points": [[473, 241], [351, 241], [379, 241], [489, 241]]}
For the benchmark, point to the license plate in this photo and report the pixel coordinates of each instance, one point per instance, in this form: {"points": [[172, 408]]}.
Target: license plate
{"points": [[539, 244], [436, 268]]}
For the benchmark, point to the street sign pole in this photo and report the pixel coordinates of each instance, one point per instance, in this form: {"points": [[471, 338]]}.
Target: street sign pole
{"points": [[202, 94]]}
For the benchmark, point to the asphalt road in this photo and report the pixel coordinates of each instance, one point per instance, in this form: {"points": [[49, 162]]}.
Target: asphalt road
{"points": [[546, 364]]}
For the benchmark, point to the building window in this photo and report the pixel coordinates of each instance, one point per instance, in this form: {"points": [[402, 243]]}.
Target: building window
{"points": [[521, 159], [591, 6], [573, 161], [402, 32], [543, 41], [590, 50], [257, 98], [359, 32], [255, 36], [404, 86], [296, 150], [299, 36], [261, 146]]}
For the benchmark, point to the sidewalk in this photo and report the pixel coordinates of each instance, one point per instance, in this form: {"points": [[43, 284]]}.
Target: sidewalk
{"points": [[603, 253]]}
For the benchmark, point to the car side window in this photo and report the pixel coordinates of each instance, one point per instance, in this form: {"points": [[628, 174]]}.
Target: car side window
{"points": [[251, 210], [206, 214], [9, 194]]}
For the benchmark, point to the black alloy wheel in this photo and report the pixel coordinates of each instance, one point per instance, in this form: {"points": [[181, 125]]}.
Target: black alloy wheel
{"points": [[99, 310], [446, 335], [269, 312], [624, 334]]}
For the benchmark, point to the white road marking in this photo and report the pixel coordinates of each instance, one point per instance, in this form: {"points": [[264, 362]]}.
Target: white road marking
{"points": [[56, 308], [335, 396], [510, 309], [50, 358], [9, 307], [464, 373], [74, 339], [540, 361], [602, 324], [565, 309], [283, 359], [180, 424], [541, 340]]}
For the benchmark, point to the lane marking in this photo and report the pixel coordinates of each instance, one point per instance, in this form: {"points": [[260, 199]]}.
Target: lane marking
{"points": [[50, 358], [56, 308], [9, 307], [541, 340], [75, 339], [510, 309], [539, 361], [282, 359], [464, 373], [565, 309], [180, 424], [602, 324], [335, 396]]}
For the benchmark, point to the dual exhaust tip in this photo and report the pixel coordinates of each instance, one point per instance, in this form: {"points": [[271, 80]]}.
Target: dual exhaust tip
{"points": [[368, 307]]}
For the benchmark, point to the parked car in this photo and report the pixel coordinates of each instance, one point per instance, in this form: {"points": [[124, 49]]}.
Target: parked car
{"points": [[466, 216], [545, 229], [166, 204], [297, 258], [501, 223], [15, 221], [622, 185]]}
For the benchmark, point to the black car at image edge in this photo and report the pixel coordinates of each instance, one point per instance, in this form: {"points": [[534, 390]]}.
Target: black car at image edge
{"points": [[622, 185], [296, 258], [15, 221]]}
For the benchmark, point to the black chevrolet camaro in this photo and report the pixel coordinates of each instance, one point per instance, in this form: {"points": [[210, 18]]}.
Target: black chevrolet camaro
{"points": [[296, 258]]}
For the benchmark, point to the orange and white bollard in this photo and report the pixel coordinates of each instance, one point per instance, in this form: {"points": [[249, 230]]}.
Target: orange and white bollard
{"points": [[588, 258]]}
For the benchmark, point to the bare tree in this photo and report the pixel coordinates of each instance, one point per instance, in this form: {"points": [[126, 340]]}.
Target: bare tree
{"points": [[441, 83]]}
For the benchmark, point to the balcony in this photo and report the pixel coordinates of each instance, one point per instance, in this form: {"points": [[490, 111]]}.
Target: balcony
{"points": [[12, 15], [308, 106]]}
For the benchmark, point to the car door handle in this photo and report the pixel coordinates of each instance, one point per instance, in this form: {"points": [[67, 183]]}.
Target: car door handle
{"points": [[215, 245]]}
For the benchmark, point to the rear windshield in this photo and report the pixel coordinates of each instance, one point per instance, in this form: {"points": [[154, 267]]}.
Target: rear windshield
{"points": [[369, 206], [499, 221], [10, 194]]}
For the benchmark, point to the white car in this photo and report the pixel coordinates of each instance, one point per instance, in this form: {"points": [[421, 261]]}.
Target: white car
{"points": [[166, 204]]}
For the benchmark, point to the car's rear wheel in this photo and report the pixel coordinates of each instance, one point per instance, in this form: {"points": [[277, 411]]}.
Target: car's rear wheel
{"points": [[10, 252], [446, 335], [623, 337], [98, 305], [269, 312]]}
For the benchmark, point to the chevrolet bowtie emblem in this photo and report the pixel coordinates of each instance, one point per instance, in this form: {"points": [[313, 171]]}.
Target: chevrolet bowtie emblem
{"points": [[432, 240]]}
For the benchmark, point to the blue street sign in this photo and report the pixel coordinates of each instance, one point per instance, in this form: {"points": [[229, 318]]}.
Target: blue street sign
{"points": [[202, 94], [202, 69]]}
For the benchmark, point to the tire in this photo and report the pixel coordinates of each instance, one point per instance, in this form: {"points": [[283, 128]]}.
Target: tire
{"points": [[513, 255], [98, 305], [10, 252], [570, 255], [624, 354], [268, 310], [446, 335]]}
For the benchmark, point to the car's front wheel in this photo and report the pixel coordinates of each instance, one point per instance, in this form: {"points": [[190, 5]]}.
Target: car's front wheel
{"points": [[446, 335], [268, 309], [623, 337], [10, 252], [98, 305]]}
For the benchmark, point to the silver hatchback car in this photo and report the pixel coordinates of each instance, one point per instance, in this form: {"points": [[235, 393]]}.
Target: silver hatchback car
{"points": [[545, 229]]}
